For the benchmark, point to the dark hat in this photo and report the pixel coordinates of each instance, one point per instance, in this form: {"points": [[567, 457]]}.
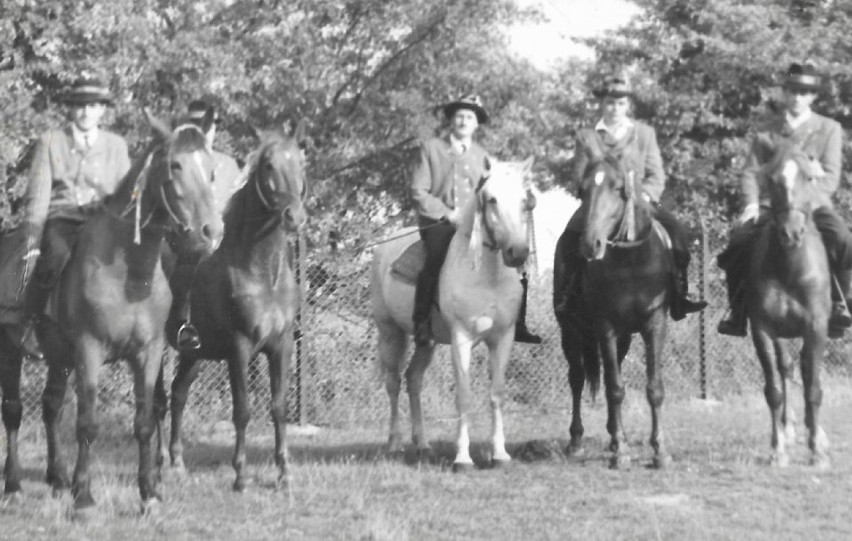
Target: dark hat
{"points": [[802, 77], [87, 90], [614, 86], [468, 101], [196, 111]]}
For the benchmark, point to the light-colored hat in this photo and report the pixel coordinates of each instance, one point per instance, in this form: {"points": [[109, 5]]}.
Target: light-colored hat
{"points": [[87, 90], [468, 101]]}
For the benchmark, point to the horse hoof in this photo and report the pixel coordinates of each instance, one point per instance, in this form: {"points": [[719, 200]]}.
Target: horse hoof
{"points": [[239, 485], [462, 467], [619, 462], [501, 463], [85, 514], [423, 454], [58, 482], [779, 460], [12, 487], [821, 462], [661, 462], [575, 449], [151, 507]]}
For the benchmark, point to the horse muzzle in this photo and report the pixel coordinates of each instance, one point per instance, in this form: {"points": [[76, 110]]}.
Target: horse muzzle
{"points": [[593, 249], [515, 255]]}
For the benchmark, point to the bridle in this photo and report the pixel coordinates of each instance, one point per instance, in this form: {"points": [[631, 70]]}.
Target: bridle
{"points": [[141, 182], [255, 178]]}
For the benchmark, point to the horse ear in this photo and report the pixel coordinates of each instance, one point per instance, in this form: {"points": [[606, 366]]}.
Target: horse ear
{"points": [[161, 130], [209, 118]]}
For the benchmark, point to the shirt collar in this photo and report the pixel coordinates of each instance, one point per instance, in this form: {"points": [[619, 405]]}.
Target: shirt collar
{"points": [[795, 122], [80, 137], [459, 145], [618, 131]]}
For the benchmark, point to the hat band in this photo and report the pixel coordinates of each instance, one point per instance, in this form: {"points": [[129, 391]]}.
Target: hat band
{"points": [[801, 79]]}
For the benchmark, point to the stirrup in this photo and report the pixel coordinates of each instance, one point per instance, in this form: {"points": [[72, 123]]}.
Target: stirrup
{"points": [[524, 336], [188, 338], [840, 316], [731, 327]]}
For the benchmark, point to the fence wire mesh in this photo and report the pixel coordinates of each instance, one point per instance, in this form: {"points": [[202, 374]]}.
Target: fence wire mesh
{"points": [[335, 379]]}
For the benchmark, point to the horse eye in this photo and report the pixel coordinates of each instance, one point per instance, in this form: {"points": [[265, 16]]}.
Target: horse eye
{"points": [[175, 166], [492, 200]]}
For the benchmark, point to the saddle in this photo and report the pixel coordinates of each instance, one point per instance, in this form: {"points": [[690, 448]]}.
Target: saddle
{"points": [[408, 265]]}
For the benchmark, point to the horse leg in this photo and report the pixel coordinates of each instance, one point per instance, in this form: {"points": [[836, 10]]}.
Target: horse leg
{"points": [[571, 348], [147, 367], [785, 368], [614, 397], [461, 346], [54, 347], [654, 341], [498, 354], [238, 372], [12, 408], [414, 381], [161, 406], [89, 357], [391, 348], [279, 371], [775, 399], [187, 371], [813, 348]]}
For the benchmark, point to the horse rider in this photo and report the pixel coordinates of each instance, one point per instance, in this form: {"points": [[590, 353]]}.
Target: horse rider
{"points": [[72, 170], [226, 177], [821, 138], [617, 134], [444, 179]]}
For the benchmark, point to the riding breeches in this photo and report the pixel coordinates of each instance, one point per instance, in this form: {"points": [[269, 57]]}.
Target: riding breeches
{"points": [[57, 241], [836, 237], [436, 238]]}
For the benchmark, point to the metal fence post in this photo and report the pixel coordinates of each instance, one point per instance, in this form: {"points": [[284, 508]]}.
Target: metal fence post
{"points": [[702, 315], [299, 334]]}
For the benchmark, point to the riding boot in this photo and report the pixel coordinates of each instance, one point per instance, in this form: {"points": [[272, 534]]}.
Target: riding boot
{"points": [[736, 324], [681, 303], [840, 318], [35, 303], [522, 333], [188, 337], [424, 294]]}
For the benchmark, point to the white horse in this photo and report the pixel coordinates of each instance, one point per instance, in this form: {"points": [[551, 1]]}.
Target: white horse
{"points": [[479, 297]]}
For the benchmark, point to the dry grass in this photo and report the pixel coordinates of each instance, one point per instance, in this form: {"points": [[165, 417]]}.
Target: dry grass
{"points": [[719, 486]]}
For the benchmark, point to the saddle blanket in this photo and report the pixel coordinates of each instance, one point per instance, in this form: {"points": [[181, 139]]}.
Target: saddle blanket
{"points": [[407, 266]]}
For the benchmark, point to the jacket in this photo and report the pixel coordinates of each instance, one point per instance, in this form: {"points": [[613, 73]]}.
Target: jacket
{"points": [[444, 180], [819, 136], [644, 156]]}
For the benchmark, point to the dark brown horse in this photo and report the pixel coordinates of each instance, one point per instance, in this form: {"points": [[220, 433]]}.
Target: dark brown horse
{"points": [[112, 300], [625, 290], [244, 298], [788, 292]]}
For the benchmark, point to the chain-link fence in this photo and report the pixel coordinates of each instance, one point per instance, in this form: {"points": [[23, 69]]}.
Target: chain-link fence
{"points": [[335, 379]]}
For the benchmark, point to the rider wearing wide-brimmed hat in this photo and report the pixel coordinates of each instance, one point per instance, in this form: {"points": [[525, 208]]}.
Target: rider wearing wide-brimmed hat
{"points": [[225, 180], [617, 134], [445, 178], [821, 138], [72, 170]]}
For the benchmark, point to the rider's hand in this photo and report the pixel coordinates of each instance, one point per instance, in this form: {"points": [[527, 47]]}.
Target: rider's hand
{"points": [[452, 217], [750, 213]]}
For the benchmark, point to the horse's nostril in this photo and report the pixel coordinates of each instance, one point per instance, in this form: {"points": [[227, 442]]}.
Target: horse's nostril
{"points": [[207, 231]]}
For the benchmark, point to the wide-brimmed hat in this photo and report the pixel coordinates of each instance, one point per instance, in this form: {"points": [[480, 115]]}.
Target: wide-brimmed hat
{"points": [[87, 90], [613, 86], [196, 111], [469, 101], [802, 77]]}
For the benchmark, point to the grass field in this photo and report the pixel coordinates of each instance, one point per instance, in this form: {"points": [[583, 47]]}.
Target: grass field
{"points": [[719, 486]]}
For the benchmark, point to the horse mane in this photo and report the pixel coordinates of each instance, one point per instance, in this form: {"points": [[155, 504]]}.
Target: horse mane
{"points": [[124, 191]]}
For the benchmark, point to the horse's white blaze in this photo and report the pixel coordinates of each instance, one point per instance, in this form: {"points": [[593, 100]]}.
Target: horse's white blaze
{"points": [[790, 172], [599, 178]]}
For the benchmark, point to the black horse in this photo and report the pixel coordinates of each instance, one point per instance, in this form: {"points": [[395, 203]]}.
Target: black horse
{"points": [[625, 289], [244, 298]]}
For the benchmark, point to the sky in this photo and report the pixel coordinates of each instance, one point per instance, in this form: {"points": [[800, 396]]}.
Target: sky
{"points": [[545, 43]]}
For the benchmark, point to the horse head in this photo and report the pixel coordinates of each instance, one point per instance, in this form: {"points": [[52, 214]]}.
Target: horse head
{"points": [[278, 174], [503, 201], [617, 212], [792, 177], [180, 172]]}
